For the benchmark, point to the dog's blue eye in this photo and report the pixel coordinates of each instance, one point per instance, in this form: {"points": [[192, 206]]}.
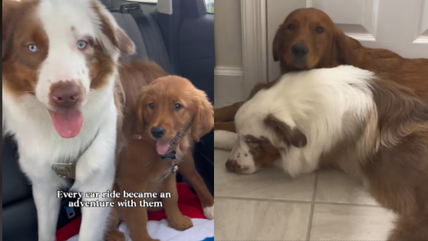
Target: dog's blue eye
{"points": [[152, 106], [32, 47], [177, 106], [81, 44], [291, 26], [319, 29]]}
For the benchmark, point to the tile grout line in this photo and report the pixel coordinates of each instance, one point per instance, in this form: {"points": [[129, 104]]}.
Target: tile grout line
{"points": [[311, 214], [263, 199], [298, 201]]}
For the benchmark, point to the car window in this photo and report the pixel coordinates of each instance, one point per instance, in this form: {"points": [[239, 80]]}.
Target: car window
{"points": [[144, 1], [210, 6]]}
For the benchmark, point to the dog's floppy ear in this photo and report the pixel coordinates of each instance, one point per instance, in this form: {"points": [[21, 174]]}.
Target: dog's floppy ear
{"points": [[345, 46], [203, 121], [112, 34], [289, 135], [140, 110], [278, 44]]}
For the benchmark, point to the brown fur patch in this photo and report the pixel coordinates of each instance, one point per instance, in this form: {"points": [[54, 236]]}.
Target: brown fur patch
{"points": [[263, 152], [101, 66], [19, 29], [233, 166], [403, 134], [116, 35], [400, 113], [397, 172], [287, 134]]}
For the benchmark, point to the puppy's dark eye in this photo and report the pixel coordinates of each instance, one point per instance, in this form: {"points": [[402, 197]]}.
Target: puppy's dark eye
{"points": [[291, 26], [152, 106], [177, 106], [319, 29]]}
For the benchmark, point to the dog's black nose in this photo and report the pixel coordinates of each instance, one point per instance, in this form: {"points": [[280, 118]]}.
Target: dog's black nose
{"points": [[299, 50], [157, 132]]}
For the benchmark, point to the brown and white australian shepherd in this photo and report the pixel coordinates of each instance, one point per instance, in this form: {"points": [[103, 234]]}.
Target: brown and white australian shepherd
{"points": [[348, 117], [60, 72]]}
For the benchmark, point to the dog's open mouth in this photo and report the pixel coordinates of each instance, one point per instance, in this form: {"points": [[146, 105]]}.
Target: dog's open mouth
{"points": [[163, 147]]}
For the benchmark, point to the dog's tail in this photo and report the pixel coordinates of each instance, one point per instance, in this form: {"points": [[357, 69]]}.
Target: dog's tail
{"points": [[224, 139], [411, 227]]}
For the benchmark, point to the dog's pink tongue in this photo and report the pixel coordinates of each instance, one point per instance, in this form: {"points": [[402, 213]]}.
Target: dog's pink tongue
{"points": [[67, 123], [162, 147]]}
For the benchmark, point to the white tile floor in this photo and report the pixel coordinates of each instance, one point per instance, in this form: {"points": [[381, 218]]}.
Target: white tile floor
{"points": [[269, 205]]}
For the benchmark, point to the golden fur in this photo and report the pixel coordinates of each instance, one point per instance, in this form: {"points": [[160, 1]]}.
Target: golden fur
{"points": [[140, 167], [327, 49]]}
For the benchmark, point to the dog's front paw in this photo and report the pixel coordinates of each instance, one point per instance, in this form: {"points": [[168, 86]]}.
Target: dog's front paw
{"points": [[181, 223], [115, 235], [209, 212]]}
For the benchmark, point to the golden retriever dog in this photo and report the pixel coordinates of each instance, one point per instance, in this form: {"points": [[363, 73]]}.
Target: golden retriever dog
{"points": [[170, 116], [308, 39]]}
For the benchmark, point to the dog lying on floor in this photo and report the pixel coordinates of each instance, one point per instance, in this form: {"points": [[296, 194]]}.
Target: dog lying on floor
{"points": [[349, 117], [308, 39], [171, 115]]}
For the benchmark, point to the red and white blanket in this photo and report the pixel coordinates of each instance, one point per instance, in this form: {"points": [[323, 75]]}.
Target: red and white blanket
{"points": [[189, 205]]}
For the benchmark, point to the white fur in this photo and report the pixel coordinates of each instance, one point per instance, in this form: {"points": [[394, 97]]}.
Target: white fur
{"points": [[225, 140], [209, 212], [40, 145], [325, 104]]}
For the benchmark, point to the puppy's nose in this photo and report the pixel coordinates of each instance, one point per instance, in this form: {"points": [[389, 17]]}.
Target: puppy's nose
{"points": [[157, 132], [65, 94], [299, 50]]}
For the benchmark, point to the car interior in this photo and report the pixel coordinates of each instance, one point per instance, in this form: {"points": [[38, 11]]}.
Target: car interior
{"points": [[178, 36]]}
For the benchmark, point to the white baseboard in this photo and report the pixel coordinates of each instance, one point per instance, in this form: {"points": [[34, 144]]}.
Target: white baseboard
{"points": [[228, 71]]}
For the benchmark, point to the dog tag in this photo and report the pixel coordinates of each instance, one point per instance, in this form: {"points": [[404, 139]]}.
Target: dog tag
{"points": [[174, 168]]}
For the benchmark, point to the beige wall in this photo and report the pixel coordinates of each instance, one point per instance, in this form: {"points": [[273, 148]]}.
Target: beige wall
{"points": [[227, 32], [228, 53]]}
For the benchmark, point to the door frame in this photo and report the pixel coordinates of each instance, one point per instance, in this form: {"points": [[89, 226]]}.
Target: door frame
{"points": [[254, 43]]}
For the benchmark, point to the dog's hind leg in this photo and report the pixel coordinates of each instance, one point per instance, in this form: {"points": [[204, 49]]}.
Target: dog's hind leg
{"points": [[226, 113], [187, 168], [225, 126]]}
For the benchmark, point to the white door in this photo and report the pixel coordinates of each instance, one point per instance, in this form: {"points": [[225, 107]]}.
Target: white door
{"points": [[398, 25]]}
